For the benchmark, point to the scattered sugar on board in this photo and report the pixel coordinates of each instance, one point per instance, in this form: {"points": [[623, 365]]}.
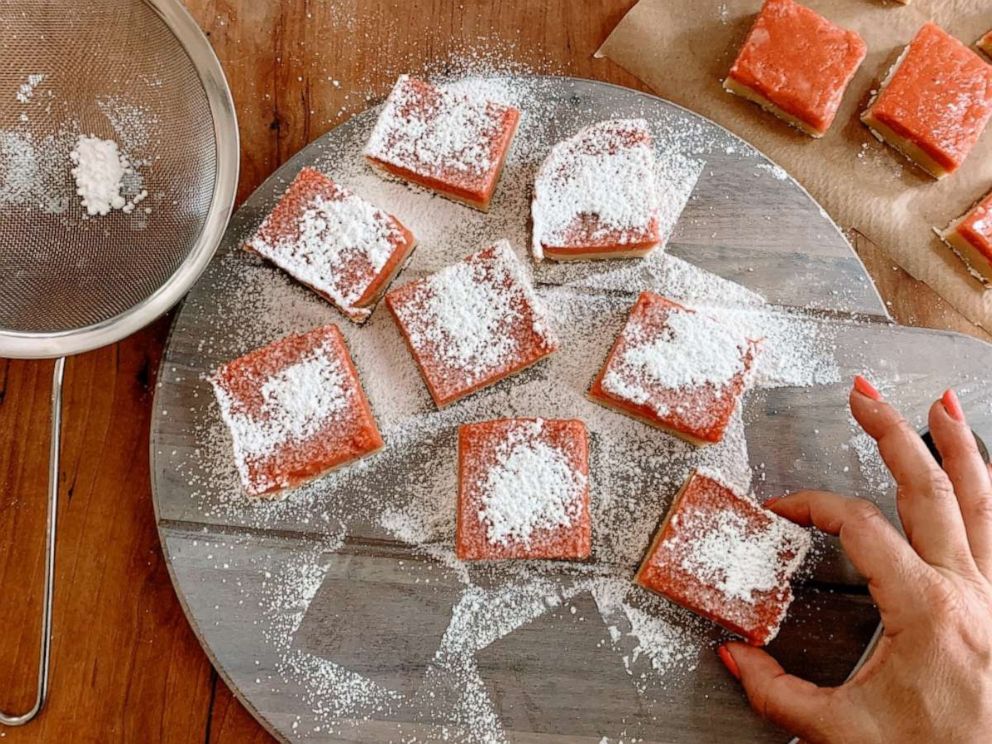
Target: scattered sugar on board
{"points": [[876, 475], [636, 472], [630, 462], [777, 171], [287, 592], [873, 469], [674, 278], [643, 626], [665, 644], [632, 465]]}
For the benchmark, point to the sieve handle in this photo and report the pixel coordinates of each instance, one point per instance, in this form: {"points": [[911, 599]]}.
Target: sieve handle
{"points": [[45, 656]]}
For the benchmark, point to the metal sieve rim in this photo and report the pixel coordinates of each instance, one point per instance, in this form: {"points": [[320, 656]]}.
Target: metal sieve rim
{"points": [[43, 345]]}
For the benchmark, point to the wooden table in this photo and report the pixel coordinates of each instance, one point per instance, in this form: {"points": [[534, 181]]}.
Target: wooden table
{"points": [[127, 667]]}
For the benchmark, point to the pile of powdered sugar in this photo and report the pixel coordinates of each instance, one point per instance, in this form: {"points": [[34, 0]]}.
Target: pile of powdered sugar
{"points": [[100, 169], [42, 166], [406, 493]]}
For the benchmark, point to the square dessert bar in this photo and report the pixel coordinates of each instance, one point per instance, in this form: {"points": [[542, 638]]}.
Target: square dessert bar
{"points": [[724, 557], [797, 65], [295, 410], [676, 369], [523, 490], [447, 142], [934, 103], [971, 238], [596, 196], [342, 247], [472, 323]]}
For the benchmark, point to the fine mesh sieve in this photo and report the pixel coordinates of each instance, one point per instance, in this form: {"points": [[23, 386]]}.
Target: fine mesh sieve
{"points": [[141, 73]]}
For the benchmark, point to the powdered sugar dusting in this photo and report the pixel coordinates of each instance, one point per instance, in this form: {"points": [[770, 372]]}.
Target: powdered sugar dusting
{"points": [[675, 177], [532, 486], [873, 469], [666, 644], [605, 174], [734, 558], [339, 244], [136, 127], [633, 466], [722, 554], [297, 402], [465, 313], [18, 168], [25, 91], [674, 278], [691, 351], [287, 593], [795, 348], [353, 222], [430, 130]]}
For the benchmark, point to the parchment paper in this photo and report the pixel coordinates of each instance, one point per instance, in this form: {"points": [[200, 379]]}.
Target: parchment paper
{"points": [[683, 50]]}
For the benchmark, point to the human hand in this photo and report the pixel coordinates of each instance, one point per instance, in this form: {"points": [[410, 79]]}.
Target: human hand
{"points": [[930, 677]]}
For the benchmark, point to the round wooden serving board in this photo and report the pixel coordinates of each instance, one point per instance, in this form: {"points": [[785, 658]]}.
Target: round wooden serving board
{"points": [[331, 629]]}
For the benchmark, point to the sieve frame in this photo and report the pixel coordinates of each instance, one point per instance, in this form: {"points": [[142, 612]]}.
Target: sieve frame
{"points": [[48, 345], [59, 345]]}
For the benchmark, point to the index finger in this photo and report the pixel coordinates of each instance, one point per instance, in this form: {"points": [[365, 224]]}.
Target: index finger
{"points": [[894, 571]]}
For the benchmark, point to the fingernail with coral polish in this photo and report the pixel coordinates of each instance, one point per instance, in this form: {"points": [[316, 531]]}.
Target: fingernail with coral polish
{"points": [[728, 661], [952, 405], [767, 503], [866, 388]]}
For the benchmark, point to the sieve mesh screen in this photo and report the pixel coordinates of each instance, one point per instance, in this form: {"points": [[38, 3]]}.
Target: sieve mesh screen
{"points": [[117, 71]]}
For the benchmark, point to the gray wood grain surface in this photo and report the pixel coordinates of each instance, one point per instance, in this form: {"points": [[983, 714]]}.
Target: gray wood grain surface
{"points": [[380, 607]]}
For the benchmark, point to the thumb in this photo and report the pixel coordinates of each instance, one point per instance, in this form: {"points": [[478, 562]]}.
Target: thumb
{"points": [[796, 705]]}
